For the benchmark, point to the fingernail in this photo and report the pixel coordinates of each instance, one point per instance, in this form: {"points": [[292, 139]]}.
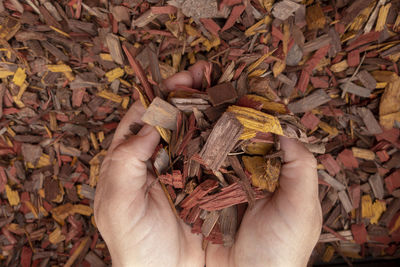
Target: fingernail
{"points": [[146, 129]]}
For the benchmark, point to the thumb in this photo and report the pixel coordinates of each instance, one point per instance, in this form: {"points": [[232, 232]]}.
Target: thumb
{"points": [[299, 177], [128, 159]]}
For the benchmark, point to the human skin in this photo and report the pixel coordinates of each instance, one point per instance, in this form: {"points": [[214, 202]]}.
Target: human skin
{"points": [[140, 228]]}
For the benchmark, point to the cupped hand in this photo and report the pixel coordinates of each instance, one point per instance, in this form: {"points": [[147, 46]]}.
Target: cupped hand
{"points": [[137, 225], [283, 229], [140, 228]]}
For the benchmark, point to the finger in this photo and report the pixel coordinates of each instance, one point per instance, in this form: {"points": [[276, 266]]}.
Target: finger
{"points": [[133, 115], [197, 71], [299, 177], [128, 160], [181, 78]]}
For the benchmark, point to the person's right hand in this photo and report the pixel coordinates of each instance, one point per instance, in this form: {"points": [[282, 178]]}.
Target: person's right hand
{"points": [[281, 230]]}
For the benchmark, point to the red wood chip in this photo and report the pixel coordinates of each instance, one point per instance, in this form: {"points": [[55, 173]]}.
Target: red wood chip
{"points": [[364, 39], [355, 195], [330, 164], [320, 82], [310, 65], [382, 155], [353, 58], [175, 179], [393, 181], [359, 233], [347, 158], [235, 14], [391, 135], [211, 26], [26, 256], [310, 120]]}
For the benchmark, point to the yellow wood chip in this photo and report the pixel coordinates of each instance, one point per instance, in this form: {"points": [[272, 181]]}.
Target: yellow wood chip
{"points": [[264, 173], [257, 73], [114, 74], [94, 174], [125, 102], [256, 120], [191, 31], [56, 236], [18, 102], [378, 208], [82, 209], [383, 13], [328, 254], [366, 207], [341, 66], [94, 141], [268, 104], [257, 148], [59, 68], [12, 196], [363, 153], [44, 161], [110, 96], [253, 29], [106, 57], [19, 77], [10, 131], [100, 136], [389, 107], [329, 129], [381, 85], [256, 63], [247, 134]]}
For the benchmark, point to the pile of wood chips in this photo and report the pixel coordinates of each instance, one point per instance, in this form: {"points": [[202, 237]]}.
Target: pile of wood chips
{"points": [[323, 72]]}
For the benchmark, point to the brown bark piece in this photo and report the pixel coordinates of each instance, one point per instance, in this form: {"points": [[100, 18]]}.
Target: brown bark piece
{"points": [[376, 184], [355, 89], [309, 102], [369, 120], [222, 93], [161, 113], [222, 139], [330, 180], [284, 9], [345, 200], [317, 43], [114, 46], [367, 79], [31, 153]]}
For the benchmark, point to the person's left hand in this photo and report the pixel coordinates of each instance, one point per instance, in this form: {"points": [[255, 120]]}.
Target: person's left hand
{"points": [[140, 228]]}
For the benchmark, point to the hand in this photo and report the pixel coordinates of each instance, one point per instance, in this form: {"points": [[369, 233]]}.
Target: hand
{"points": [[140, 229], [281, 230]]}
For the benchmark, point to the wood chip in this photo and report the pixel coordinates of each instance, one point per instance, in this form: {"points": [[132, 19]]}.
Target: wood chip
{"points": [[309, 102], [161, 113]]}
